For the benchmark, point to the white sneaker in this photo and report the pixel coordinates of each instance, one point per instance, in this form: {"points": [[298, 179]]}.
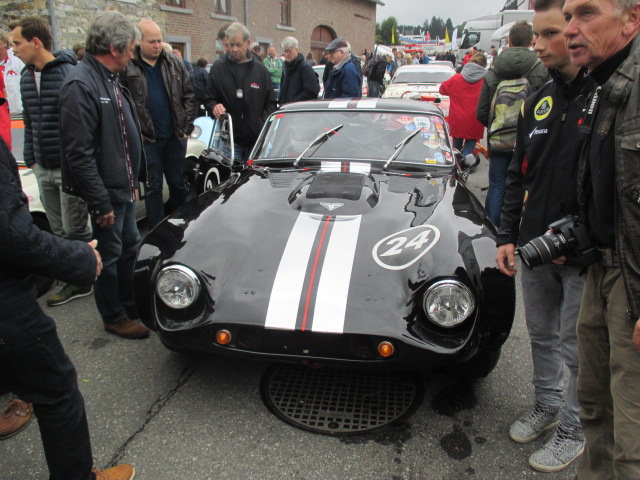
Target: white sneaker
{"points": [[530, 426], [563, 448]]}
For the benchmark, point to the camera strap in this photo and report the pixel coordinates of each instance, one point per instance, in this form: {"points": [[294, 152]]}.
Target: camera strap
{"points": [[585, 129]]}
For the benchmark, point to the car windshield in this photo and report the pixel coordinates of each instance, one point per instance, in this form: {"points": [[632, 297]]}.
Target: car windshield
{"points": [[365, 135], [421, 77]]}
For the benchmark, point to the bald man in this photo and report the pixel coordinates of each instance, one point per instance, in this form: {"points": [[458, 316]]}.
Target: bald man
{"points": [[165, 102]]}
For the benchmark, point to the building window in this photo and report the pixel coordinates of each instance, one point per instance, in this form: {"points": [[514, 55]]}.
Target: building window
{"points": [[285, 12], [175, 3], [222, 7]]}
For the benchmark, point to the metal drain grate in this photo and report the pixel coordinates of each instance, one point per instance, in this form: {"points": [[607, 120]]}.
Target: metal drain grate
{"points": [[339, 401]]}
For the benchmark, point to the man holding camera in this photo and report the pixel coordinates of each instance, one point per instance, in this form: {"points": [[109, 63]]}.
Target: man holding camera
{"points": [[603, 37], [540, 189]]}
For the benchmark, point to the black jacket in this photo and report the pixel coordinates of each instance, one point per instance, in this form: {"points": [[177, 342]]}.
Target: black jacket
{"points": [[179, 89], [542, 177], [377, 70], [94, 164], [40, 114], [200, 75], [299, 82], [26, 250], [258, 102]]}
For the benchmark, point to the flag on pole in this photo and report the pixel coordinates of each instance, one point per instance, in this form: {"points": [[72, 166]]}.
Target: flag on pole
{"points": [[454, 39], [393, 38], [446, 36]]}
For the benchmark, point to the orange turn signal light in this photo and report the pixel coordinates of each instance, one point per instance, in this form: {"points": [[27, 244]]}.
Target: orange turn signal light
{"points": [[386, 349], [223, 337]]}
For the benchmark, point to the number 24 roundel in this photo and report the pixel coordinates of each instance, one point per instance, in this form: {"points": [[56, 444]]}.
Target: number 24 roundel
{"points": [[403, 249]]}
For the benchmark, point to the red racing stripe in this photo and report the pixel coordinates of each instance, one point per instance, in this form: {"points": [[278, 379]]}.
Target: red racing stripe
{"points": [[313, 273]]}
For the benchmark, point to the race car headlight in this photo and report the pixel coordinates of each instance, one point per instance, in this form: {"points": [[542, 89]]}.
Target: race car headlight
{"points": [[448, 303], [177, 286], [197, 131]]}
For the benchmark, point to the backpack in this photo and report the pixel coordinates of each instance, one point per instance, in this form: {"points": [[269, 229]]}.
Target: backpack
{"points": [[505, 108]]}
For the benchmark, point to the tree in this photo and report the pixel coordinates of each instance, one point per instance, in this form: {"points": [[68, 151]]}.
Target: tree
{"points": [[384, 31]]}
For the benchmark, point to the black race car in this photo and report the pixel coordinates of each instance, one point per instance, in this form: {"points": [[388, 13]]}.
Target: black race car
{"points": [[349, 237]]}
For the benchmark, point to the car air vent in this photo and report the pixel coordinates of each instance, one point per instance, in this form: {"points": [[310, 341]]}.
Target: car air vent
{"points": [[338, 185], [398, 184], [282, 179]]}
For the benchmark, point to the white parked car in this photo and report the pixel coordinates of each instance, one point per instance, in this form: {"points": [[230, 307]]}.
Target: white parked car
{"points": [[421, 82]]}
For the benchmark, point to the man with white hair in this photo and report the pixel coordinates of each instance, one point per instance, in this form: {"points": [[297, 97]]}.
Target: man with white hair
{"points": [[299, 81], [240, 85], [343, 81]]}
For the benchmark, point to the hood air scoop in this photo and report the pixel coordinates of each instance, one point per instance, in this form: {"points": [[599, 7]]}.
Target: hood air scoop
{"points": [[336, 193]]}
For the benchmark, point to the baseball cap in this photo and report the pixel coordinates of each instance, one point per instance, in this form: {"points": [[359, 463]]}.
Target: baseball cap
{"points": [[336, 44]]}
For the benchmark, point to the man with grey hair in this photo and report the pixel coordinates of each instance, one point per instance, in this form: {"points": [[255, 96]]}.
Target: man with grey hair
{"points": [[102, 154], [343, 81], [604, 37], [240, 86], [299, 81]]}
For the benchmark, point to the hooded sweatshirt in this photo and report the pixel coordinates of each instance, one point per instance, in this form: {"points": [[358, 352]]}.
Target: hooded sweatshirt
{"points": [[463, 90]]}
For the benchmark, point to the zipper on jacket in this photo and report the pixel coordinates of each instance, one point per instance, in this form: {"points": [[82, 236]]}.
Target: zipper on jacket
{"points": [[132, 181]]}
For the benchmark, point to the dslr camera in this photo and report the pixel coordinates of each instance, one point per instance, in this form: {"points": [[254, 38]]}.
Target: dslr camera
{"points": [[566, 236]]}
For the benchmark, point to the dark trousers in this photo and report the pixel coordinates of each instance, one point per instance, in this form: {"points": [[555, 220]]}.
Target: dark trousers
{"points": [[36, 368], [165, 157], [118, 246]]}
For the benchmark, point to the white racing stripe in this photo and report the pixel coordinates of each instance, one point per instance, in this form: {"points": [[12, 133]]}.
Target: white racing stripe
{"points": [[331, 166], [357, 167], [333, 288], [289, 282]]}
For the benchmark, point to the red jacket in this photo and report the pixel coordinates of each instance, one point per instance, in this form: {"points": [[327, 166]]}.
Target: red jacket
{"points": [[463, 97]]}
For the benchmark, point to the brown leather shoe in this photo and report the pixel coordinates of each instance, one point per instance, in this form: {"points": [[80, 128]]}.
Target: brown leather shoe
{"points": [[15, 418], [127, 328], [120, 472]]}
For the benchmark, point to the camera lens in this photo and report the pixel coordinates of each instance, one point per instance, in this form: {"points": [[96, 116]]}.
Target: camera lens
{"points": [[542, 250]]}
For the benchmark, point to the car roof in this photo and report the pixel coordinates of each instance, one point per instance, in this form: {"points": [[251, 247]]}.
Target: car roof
{"points": [[425, 67], [364, 105]]}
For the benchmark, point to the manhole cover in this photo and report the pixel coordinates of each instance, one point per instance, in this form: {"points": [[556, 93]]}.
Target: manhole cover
{"points": [[339, 401]]}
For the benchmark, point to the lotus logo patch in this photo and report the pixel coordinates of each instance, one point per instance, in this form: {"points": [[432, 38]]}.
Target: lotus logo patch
{"points": [[331, 206], [402, 249], [543, 108]]}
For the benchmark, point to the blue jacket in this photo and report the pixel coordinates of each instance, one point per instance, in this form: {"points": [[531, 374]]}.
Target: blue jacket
{"points": [[41, 113], [26, 250], [343, 83]]}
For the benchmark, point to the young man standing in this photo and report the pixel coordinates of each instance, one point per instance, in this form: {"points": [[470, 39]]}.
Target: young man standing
{"points": [[40, 89], [540, 189]]}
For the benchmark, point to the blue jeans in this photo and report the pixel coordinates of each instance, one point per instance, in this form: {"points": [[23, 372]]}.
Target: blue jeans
{"points": [[37, 369], [118, 247], [552, 295], [165, 157], [374, 89], [240, 152], [469, 145], [498, 165]]}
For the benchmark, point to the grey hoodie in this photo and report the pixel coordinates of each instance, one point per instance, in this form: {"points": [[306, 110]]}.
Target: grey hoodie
{"points": [[473, 73]]}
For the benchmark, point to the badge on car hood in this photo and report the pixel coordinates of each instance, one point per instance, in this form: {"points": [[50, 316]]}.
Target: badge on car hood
{"points": [[331, 206], [402, 249]]}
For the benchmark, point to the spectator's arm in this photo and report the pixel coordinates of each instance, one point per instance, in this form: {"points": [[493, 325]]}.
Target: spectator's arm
{"points": [[27, 248]]}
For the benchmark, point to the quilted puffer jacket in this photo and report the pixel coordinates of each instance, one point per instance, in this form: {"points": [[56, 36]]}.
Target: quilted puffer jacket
{"points": [[41, 113]]}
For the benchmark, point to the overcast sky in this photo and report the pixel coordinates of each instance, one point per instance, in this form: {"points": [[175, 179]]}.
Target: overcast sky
{"points": [[415, 12]]}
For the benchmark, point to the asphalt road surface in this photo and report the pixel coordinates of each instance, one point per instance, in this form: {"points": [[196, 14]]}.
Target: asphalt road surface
{"points": [[178, 417]]}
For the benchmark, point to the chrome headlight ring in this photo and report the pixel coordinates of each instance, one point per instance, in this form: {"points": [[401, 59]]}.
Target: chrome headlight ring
{"points": [[448, 303], [177, 286]]}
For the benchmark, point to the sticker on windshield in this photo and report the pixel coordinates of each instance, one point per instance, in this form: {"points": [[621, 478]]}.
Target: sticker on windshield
{"points": [[422, 122], [432, 144], [402, 249], [429, 135], [437, 120], [411, 128], [430, 161], [440, 128], [448, 156], [444, 148], [404, 120], [439, 158], [279, 115]]}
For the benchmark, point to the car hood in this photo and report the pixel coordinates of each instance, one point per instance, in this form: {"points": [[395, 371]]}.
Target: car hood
{"points": [[322, 250]]}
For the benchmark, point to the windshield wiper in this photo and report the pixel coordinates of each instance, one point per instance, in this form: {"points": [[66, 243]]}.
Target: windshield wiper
{"points": [[323, 137], [398, 148]]}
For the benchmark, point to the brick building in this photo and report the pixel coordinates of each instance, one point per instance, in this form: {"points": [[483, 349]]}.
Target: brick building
{"points": [[192, 25]]}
